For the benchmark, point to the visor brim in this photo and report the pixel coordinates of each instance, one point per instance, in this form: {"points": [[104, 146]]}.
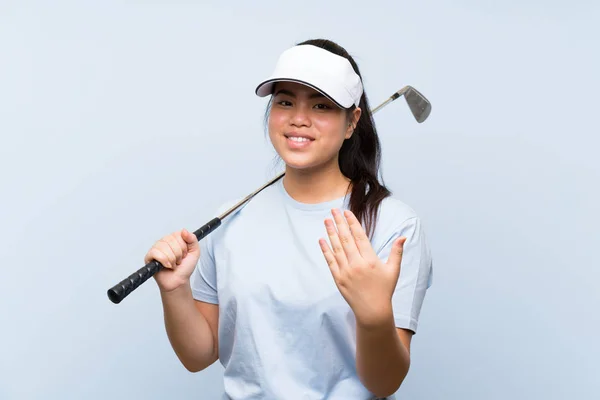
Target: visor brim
{"points": [[266, 88]]}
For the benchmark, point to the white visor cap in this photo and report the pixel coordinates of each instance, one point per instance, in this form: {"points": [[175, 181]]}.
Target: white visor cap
{"points": [[328, 73]]}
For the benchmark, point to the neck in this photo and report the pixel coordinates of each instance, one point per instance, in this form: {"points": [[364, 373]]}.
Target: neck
{"points": [[316, 186]]}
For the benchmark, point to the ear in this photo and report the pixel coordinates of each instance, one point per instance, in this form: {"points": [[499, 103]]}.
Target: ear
{"points": [[353, 122]]}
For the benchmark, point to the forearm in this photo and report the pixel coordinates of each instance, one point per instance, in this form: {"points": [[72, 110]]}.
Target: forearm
{"points": [[188, 331], [382, 360]]}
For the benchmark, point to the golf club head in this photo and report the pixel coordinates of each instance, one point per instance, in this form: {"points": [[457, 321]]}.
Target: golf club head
{"points": [[418, 104]]}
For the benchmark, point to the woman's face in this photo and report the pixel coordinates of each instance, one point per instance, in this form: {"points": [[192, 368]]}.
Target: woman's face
{"points": [[299, 111]]}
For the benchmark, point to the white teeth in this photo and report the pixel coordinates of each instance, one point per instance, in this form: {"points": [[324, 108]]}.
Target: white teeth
{"points": [[299, 139]]}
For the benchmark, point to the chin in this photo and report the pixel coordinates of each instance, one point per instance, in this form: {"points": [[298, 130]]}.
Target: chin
{"points": [[295, 163], [300, 160]]}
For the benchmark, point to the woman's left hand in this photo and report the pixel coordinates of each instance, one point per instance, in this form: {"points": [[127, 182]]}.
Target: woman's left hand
{"points": [[362, 278]]}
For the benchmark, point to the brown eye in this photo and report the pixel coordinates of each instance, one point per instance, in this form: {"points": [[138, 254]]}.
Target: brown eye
{"points": [[322, 106]]}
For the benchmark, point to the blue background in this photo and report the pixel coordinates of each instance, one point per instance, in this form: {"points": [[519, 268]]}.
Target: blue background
{"points": [[124, 121]]}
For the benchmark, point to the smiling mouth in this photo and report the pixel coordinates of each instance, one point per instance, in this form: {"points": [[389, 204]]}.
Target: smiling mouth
{"points": [[299, 139], [295, 137], [295, 142]]}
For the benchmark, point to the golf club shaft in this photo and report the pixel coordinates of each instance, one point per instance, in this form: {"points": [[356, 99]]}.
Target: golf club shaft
{"points": [[122, 289], [390, 99]]}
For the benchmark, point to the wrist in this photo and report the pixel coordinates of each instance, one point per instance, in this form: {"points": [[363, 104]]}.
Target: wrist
{"points": [[184, 289], [382, 319]]}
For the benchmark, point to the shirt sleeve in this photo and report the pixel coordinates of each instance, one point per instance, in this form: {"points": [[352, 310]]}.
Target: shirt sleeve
{"points": [[416, 273], [204, 277]]}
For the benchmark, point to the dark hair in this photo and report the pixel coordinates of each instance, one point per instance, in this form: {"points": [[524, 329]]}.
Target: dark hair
{"points": [[360, 155]]}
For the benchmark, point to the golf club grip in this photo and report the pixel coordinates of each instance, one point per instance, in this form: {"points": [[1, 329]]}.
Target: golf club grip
{"points": [[122, 289]]}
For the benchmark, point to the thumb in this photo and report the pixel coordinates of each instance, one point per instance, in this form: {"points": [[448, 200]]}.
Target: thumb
{"points": [[395, 257], [190, 239]]}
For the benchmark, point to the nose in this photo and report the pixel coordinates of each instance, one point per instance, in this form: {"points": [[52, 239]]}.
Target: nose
{"points": [[300, 116]]}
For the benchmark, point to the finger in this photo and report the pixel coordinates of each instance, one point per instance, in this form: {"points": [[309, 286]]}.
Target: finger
{"points": [[190, 239], [182, 244], [345, 236], [336, 245], [395, 258], [161, 255], [164, 248], [329, 258], [360, 237], [174, 245]]}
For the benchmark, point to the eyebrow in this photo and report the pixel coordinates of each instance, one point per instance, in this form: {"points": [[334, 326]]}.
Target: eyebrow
{"points": [[291, 94]]}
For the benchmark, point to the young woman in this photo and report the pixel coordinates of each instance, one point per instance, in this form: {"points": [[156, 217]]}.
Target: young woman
{"points": [[312, 289]]}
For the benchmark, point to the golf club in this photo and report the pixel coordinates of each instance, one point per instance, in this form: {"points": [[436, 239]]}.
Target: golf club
{"points": [[419, 106]]}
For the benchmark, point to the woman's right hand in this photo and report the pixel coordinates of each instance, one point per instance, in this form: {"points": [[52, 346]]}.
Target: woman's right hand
{"points": [[178, 253]]}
